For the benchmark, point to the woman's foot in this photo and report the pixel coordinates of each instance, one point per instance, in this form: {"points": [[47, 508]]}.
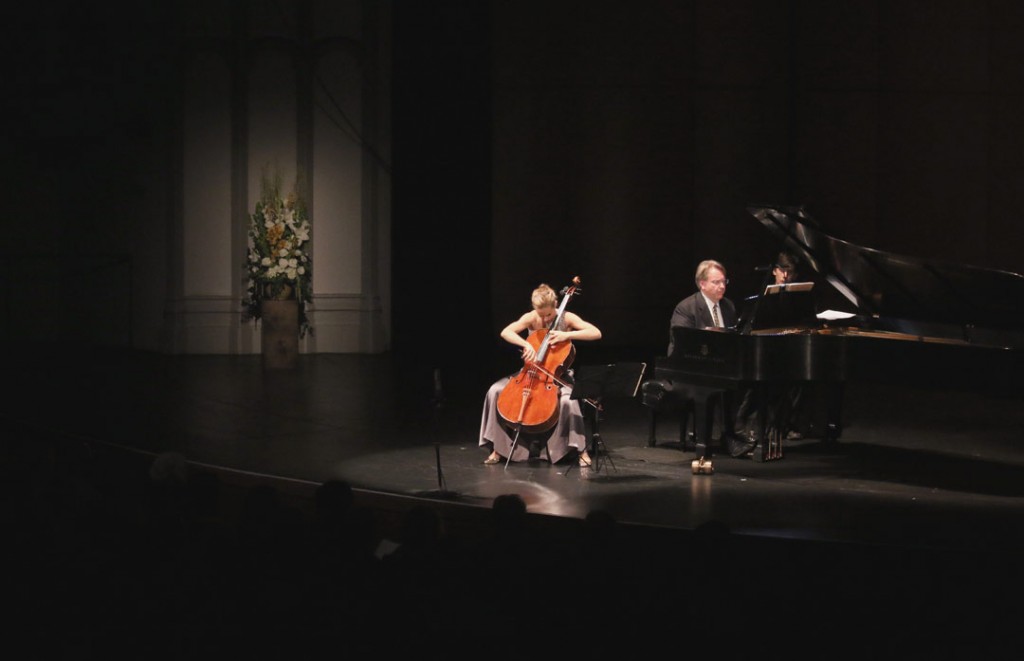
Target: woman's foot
{"points": [[584, 459], [492, 459]]}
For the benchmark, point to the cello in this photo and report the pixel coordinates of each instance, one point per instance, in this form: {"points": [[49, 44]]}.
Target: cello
{"points": [[529, 402]]}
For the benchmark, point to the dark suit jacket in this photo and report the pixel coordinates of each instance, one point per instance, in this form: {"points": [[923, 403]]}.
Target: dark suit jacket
{"points": [[693, 312]]}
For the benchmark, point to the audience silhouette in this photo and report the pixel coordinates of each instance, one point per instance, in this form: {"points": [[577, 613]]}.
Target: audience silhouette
{"points": [[115, 557]]}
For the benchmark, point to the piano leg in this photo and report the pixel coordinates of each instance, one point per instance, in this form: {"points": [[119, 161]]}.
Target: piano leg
{"points": [[684, 426], [704, 402], [760, 393], [833, 411]]}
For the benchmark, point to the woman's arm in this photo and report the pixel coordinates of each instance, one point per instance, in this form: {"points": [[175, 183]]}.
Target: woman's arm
{"points": [[577, 328], [513, 334]]}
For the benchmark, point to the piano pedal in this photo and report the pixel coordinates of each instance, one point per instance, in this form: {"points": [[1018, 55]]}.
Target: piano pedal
{"points": [[774, 445], [769, 448], [702, 466]]}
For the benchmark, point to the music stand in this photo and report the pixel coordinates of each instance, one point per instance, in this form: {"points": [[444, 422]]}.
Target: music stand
{"points": [[780, 306], [593, 383]]}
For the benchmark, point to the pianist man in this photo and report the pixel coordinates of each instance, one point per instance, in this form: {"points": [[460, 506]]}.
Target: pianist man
{"points": [[709, 308]]}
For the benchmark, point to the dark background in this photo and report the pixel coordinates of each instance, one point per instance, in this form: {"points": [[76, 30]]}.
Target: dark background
{"points": [[537, 141], [622, 142]]}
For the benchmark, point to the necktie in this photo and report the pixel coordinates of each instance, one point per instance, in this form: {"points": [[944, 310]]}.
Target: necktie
{"points": [[714, 315]]}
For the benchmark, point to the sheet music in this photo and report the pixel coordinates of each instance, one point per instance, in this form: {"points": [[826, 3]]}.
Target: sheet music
{"points": [[789, 286], [833, 315]]}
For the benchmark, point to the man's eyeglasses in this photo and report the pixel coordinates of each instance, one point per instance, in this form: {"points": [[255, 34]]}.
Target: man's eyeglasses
{"points": [[719, 283]]}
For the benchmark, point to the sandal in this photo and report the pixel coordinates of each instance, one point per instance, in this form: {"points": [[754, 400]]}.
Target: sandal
{"points": [[492, 459]]}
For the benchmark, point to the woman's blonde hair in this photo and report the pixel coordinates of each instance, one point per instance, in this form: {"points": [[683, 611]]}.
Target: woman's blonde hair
{"points": [[543, 296]]}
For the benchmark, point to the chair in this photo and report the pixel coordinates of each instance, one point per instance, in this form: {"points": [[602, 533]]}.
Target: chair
{"points": [[664, 396], [660, 397]]}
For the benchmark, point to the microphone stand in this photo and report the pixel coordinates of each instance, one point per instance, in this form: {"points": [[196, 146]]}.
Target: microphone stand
{"points": [[768, 279], [437, 403]]}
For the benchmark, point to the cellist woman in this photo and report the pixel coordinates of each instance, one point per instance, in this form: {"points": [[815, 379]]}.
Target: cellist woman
{"points": [[568, 431]]}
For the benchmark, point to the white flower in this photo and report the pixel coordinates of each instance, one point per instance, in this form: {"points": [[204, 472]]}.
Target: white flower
{"points": [[277, 231]]}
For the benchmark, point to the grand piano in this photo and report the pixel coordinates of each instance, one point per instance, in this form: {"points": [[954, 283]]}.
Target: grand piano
{"points": [[880, 317]]}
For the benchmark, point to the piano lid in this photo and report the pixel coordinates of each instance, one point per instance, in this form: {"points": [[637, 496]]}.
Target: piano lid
{"points": [[911, 294]]}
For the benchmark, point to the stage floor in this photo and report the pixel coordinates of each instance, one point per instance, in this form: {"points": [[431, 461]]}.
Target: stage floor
{"points": [[903, 536], [913, 468]]}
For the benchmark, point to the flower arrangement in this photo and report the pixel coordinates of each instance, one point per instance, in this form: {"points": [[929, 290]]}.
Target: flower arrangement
{"points": [[278, 265]]}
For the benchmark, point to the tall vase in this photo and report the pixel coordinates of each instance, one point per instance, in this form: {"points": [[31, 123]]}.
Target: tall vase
{"points": [[280, 337]]}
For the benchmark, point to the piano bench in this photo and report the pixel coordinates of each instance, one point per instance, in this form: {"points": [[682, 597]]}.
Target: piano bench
{"points": [[659, 396]]}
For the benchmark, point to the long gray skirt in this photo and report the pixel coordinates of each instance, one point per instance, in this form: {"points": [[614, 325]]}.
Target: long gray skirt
{"points": [[569, 431]]}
